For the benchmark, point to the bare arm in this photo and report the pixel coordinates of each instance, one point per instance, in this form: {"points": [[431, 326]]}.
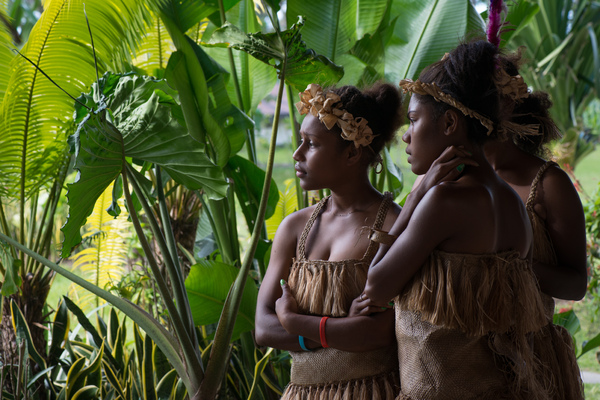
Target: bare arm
{"points": [[268, 330], [354, 334], [432, 223], [565, 222]]}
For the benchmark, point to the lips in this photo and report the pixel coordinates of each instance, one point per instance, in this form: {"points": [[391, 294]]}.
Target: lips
{"points": [[299, 171]]}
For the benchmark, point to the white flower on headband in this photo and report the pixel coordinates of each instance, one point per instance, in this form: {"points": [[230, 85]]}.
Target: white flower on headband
{"points": [[328, 108]]}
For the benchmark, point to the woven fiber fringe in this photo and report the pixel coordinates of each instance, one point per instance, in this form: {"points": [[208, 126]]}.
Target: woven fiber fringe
{"points": [[542, 245], [327, 288], [559, 371], [521, 367], [381, 387], [456, 292]]}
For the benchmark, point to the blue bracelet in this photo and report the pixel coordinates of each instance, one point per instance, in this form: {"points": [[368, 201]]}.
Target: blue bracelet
{"points": [[302, 345]]}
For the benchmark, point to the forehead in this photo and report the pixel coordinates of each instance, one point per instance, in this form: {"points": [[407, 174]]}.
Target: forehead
{"points": [[314, 127], [416, 104]]}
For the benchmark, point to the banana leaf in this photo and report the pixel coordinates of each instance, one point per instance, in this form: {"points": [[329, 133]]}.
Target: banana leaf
{"points": [[333, 27], [427, 29]]}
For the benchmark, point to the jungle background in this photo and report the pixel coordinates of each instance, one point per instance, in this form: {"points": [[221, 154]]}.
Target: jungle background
{"points": [[145, 152]]}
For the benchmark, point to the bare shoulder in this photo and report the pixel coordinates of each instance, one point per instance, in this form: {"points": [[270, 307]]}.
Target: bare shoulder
{"points": [[555, 178], [293, 224], [558, 194]]}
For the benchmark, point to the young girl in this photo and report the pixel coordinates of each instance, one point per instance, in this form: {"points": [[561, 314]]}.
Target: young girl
{"points": [[324, 251], [466, 298], [556, 214]]}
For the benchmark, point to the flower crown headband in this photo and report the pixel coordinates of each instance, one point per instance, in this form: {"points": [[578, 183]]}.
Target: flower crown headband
{"points": [[433, 90], [328, 108]]}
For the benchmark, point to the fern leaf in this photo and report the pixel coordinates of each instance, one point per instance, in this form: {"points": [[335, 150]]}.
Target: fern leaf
{"points": [[34, 114], [104, 261]]}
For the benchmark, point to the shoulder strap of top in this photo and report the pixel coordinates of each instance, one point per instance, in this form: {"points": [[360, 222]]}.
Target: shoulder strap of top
{"points": [[308, 227], [383, 209], [379, 220], [534, 184]]}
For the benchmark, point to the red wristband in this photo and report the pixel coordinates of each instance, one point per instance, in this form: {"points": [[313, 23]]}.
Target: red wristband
{"points": [[322, 332]]}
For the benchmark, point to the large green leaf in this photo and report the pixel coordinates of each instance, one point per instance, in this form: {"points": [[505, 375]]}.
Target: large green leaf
{"points": [[256, 79], [231, 119], [369, 52], [187, 13], [332, 27], [425, 30], [248, 181], [141, 126], [302, 65], [287, 204], [208, 285], [35, 116]]}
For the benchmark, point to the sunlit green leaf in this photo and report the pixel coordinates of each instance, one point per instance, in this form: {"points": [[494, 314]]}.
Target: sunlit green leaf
{"points": [[36, 116], [287, 204], [208, 285]]}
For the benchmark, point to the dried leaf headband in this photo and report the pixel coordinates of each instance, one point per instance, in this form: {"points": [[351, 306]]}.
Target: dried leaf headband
{"points": [[433, 90], [328, 108]]}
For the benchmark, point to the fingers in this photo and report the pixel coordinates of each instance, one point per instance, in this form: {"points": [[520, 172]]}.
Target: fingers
{"points": [[364, 306]]}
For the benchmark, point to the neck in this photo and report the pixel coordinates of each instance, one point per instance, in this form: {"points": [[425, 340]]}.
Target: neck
{"points": [[353, 199]]}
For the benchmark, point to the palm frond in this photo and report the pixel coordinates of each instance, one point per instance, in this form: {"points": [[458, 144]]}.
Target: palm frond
{"points": [[35, 114], [104, 262], [155, 49], [6, 55]]}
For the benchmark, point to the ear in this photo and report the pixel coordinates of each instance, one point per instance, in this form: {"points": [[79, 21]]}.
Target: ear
{"points": [[354, 154], [451, 121]]}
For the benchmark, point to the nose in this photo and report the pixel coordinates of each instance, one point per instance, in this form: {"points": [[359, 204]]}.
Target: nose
{"points": [[298, 155], [406, 137]]}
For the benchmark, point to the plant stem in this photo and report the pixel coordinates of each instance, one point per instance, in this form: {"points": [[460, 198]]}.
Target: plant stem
{"points": [[189, 352], [215, 371], [300, 194], [174, 268]]}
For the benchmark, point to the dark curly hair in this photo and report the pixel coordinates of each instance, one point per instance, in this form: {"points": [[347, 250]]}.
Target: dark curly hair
{"points": [[380, 105], [467, 74], [532, 110]]}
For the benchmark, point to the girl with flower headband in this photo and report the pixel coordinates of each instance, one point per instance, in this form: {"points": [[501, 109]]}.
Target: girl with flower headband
{"points": [[460, 271], [324, 251], [556, 214]]}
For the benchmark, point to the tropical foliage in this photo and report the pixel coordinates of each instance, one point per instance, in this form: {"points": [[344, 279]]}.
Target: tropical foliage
{"points": [[164, 136], [561, 46]]}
